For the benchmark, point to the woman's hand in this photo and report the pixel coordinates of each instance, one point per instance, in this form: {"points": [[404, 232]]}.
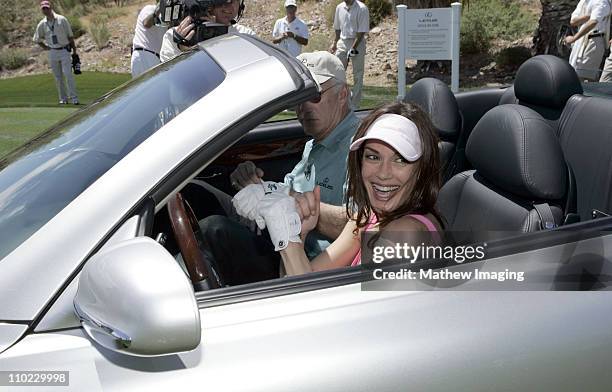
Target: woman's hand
{"points": [[308, 207]]}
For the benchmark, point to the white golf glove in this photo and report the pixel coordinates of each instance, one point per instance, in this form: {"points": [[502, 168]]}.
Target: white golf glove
{"points": [[279, 212], [245, 202], [353, 52]]}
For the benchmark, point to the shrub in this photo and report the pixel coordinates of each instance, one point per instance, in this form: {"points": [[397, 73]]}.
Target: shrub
{"points": [[379, 10], [76, 25], [11, 58], [475, 38], [513, 56], [100, 34], [78, 10], [486, 20], [3, 38]]}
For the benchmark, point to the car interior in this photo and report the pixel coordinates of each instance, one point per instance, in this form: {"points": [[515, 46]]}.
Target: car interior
{"points": [[531, 157]]}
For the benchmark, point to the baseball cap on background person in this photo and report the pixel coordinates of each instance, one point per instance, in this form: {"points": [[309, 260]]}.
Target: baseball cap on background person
{"points": [[290, 3], [323, 66], [397, 131], [45, 4]]}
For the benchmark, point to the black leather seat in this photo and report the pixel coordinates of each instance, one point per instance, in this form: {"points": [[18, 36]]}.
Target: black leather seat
{"points": [[518, 164], [543, 83], [435, 98], [585, 134]]}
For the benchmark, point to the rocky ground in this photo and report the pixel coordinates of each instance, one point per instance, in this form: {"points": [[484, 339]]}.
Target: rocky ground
{"points": [[381, 59]]}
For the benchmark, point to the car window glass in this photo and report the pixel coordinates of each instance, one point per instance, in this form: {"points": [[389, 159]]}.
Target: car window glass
{"points": [[39, 179]]}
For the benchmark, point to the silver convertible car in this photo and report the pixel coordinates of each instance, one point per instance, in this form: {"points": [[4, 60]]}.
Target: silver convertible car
{"points": [[93, 216]]}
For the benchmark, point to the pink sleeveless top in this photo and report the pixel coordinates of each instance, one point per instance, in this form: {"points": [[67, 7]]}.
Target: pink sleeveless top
{"points": [[421, 218]]}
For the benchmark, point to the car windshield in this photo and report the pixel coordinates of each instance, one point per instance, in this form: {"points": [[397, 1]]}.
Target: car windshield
{"points": [[43, 176]]}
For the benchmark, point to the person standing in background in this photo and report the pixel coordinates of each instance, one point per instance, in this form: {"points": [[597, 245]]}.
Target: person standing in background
{"points": [[290, 32], [606, 74], [54, 34], [589, 44], [147, 40], [351, 23]]}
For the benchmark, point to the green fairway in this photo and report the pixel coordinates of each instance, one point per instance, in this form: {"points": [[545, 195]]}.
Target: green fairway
{"points": [[39, 90], [29, 104], [18, 125]]}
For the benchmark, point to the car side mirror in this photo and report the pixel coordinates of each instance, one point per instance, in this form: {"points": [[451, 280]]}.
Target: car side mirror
{"points": [[134, 298]]}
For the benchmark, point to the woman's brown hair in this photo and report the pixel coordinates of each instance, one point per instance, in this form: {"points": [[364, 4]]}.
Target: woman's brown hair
{"points": [[427, 180]]}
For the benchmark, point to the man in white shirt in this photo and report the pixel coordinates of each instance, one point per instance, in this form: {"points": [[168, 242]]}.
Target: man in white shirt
{"points": [[589, 44], [351, 23], [290, 32], [54, 34], [147, 40], [225, 14]]}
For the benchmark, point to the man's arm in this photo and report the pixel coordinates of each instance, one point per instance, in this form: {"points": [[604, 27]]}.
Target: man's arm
{"points": [[300, 40], [584, 30], [332, 220], [72, 45], [574, 22], [38, 37], [149, 21], [358, 39], [333, 47], [277, 37]]}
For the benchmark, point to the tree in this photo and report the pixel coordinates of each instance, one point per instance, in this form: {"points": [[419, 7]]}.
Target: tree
{"points": [[555, 16]]}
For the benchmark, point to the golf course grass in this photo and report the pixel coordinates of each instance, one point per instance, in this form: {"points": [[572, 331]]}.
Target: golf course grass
{"points": [[29, 104]]}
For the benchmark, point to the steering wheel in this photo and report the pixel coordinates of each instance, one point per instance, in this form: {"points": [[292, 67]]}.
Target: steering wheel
{"points": [[189, 238]]}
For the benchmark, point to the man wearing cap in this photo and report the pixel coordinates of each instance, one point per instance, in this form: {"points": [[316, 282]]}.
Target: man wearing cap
{"points": [[226, 14], [351, 24], [147, 40], [290, 32], [54, 34], [330, 121]]}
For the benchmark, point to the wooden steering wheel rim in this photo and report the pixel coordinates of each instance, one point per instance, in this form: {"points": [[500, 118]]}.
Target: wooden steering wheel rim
{"points": [[185, 226]]}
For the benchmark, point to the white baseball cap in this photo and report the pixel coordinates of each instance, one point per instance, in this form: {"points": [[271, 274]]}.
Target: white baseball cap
{"points": [[397, 131], [323, 66], [290, 2]]}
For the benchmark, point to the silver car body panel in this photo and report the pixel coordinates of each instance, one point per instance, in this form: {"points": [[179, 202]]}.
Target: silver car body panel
{"points": [[61, 314], [52, 254], [9, 334], [385, 341]]}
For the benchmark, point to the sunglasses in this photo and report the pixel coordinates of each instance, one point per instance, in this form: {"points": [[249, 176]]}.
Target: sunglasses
{"points": [[317, 99]]}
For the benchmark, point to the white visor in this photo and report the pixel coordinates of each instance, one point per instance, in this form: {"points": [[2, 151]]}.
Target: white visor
{"points": [[398, 132]]}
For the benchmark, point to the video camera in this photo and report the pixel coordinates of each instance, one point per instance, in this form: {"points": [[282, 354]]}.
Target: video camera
{"points": [[172, 12]]}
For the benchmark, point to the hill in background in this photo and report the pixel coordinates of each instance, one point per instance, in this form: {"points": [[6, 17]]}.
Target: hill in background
{"points": [[496, 37]]}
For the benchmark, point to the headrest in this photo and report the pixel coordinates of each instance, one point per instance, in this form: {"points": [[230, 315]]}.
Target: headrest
{"points": [[514, 148], [546, 80], [437, 100]]}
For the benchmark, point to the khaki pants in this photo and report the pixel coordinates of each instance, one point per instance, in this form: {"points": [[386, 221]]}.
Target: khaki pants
{"points": [[358, 62], [588, 58], [60, 62], [606, 75]]}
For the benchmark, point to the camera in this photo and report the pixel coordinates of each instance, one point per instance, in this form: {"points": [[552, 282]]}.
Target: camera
{"points": [[172, 12]]}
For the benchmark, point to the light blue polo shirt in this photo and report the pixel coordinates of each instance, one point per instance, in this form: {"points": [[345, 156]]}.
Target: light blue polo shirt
{"points": [[324, 163]]}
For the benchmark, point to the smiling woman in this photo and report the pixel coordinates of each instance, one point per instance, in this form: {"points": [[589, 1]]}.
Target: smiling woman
{"points": [[393, 181]]}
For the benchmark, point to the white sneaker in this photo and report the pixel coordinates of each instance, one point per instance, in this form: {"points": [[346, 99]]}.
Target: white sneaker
{"points": [[63, 102]]}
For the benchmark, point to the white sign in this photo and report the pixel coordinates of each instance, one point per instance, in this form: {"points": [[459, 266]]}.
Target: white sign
{"points": [[428, 34]]}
